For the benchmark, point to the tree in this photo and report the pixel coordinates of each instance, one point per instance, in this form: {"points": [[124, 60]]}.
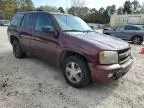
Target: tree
{"points": [[1, 9], [71, 10], [78, 3], [78, 8], [142, 7], [110, 10], [93, 10], [135, 6], [101, 10], [48, 8], [79, 11], [120, 10], [8, 9], [61, 9], [23, 5], [127, 7], [113, 9]]}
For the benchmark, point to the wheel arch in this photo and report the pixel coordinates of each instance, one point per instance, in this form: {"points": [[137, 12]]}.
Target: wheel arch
{"points": [[137, 36], [12, 38], [67, 53]]}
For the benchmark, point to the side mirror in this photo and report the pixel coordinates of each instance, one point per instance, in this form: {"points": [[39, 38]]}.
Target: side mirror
{"points": [[51, 30], [114, 29], [92, 27], [48, 29]]}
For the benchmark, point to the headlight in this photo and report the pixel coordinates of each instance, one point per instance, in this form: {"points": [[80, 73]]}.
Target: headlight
{"points": [[108, 57]]}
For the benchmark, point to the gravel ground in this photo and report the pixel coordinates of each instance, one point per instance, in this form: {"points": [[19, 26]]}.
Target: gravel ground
{"points": [[32, 83]]}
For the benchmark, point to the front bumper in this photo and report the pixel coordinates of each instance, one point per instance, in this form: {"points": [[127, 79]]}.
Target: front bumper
{"points": [[105, 73]]}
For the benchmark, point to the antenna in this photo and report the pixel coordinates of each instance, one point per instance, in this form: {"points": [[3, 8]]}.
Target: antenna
{"points": [[66, 9], [66, 6]]}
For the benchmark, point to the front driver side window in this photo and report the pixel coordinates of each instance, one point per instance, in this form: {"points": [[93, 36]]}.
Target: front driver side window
{"points": [[43, 20]]}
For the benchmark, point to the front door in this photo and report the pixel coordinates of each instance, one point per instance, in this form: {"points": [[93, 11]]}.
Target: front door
{"points": [[44, 44]]}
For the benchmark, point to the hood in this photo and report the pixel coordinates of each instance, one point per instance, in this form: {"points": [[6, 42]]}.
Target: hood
{"points": [[101, 40]]}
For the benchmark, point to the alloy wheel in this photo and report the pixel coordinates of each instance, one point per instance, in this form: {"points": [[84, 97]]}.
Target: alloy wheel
{"points": [[73, 72]]}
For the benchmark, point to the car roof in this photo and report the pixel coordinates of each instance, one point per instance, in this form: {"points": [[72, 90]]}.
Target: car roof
{"points": [[53, 13]]}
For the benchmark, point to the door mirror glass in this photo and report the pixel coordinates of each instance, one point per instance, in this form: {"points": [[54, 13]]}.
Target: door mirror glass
{"points": [[48, 29], [51, 30]]}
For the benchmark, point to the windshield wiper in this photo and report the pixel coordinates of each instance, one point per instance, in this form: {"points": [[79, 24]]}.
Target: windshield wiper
{"points": [[88, 31], [72, 31]]}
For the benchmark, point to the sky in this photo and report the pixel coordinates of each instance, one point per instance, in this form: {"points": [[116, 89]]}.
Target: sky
{"points": [[89, 3]]}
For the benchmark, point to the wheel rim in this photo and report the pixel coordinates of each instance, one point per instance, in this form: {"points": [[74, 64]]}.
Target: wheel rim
{"points": [[73, 72], [16, 49], [136, 40]]}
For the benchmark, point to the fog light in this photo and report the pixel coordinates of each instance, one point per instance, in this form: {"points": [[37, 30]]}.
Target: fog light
{"points": [[110, 75]]}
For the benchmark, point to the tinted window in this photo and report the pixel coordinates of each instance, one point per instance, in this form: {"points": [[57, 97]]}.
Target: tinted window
{"points": [[43, 20], [131, 28], [29, 21], [17, 19], [119, 27]]}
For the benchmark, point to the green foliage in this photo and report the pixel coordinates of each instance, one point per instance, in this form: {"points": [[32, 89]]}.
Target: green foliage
{"points": [[127, 7], [136, 6], [61, 9], [120, 10], [78, 11], [9, 7], [90, 15], [49, 8]]}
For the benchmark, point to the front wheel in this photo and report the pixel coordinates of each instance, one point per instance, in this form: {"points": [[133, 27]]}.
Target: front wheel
{"points": [[17, 51], [76, 71]]}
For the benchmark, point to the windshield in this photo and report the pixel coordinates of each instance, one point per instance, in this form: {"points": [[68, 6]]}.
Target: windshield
{"points": [[72, 23]]}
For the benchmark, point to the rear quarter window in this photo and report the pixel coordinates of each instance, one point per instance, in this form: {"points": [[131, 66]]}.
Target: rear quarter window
{"points": [[29, 21], [17, 19]]}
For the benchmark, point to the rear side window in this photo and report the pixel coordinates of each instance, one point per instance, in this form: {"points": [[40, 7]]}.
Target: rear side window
{"points": [[28, 21], [119, 27], [43, 20], [17, 19], [131, 28]]}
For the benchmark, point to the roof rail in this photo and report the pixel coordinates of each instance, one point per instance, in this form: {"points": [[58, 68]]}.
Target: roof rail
{"points": [[38, 9]]}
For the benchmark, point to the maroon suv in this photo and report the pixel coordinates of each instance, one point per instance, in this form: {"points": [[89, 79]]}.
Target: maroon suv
{"points": [[69, 42]]}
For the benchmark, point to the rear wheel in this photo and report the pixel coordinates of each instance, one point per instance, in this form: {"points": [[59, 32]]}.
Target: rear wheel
{"points": [[137, 40], [17, 51], [76, 71]]}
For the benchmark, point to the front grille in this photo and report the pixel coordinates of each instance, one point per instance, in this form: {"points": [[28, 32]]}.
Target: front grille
{"points": [[124, 55]]}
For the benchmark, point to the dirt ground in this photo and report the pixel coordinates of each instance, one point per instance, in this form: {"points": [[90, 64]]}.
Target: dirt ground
{"points": [[32, 83]]}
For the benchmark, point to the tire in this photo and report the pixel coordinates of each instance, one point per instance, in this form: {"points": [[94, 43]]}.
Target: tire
{"points": [[106, 33], [17, 51], [78, 65], [137, 40]]}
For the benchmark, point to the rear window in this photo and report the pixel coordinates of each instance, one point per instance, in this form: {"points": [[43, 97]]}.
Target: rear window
{"points": [[17, 19], [131, 28], [29, 21]]}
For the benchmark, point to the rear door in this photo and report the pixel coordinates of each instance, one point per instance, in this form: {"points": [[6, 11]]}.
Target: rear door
{"points": [[129, 31], [26, 30], [44, 44], [117, 32], [13, 28]]}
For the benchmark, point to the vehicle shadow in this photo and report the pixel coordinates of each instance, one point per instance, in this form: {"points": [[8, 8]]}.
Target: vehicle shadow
{"points": [[45, 72], [96, 91]]}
